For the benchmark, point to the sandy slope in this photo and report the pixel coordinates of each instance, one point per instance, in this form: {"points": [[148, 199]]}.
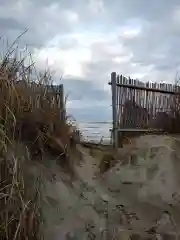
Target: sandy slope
{"points": [[89, 205]]}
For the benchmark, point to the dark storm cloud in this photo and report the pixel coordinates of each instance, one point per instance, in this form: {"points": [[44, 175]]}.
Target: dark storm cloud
{"points": [[10, 24], [42, 19]]}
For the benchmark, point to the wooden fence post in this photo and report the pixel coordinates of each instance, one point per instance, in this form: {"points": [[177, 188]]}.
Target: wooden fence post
{"points": [[62, 103], [114, 109]]}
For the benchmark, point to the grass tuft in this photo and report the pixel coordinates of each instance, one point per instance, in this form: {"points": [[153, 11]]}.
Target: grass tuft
{"points": [[33, 125]]}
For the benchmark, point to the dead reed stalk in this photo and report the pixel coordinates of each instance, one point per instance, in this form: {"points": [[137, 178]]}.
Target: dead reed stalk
{"points": [[32, 114]]}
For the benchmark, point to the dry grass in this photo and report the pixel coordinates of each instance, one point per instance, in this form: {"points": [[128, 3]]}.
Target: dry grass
{"points": [[104, 155], [33, 124]]}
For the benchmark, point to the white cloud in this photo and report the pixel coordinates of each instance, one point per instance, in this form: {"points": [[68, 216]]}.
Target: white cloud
{"points": [[54, 14], [87, 40], [176, 15], [75, 61], [131, 33], [72, 17], [96, 6], [124, 59], [68, 62]]}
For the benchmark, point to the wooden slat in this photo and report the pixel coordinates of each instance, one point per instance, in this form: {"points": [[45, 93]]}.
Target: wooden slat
{"points": [[145, 101], [139, 130], [159, 90]]}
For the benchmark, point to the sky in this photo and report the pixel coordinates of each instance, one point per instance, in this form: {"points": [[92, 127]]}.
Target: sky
{"points": [[83, 41]]}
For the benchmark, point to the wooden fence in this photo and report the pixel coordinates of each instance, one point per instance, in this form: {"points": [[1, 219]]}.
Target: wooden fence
{"points": [[38, 95], [57, 94], [139, 107]]}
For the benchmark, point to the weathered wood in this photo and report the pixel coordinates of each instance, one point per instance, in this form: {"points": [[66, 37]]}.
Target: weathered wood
{"points": [[136, 105], [139, 130], [114, 108]]}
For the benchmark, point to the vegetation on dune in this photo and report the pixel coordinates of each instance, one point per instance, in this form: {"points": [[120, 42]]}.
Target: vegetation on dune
{"points": [[33, 125]]}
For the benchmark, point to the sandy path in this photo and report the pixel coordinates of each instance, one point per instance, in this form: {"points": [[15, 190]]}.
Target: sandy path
{"points": [[88, 168]]}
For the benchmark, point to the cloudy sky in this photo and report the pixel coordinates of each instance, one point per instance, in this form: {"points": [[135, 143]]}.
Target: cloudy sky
{"points": [[85, 40]]}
